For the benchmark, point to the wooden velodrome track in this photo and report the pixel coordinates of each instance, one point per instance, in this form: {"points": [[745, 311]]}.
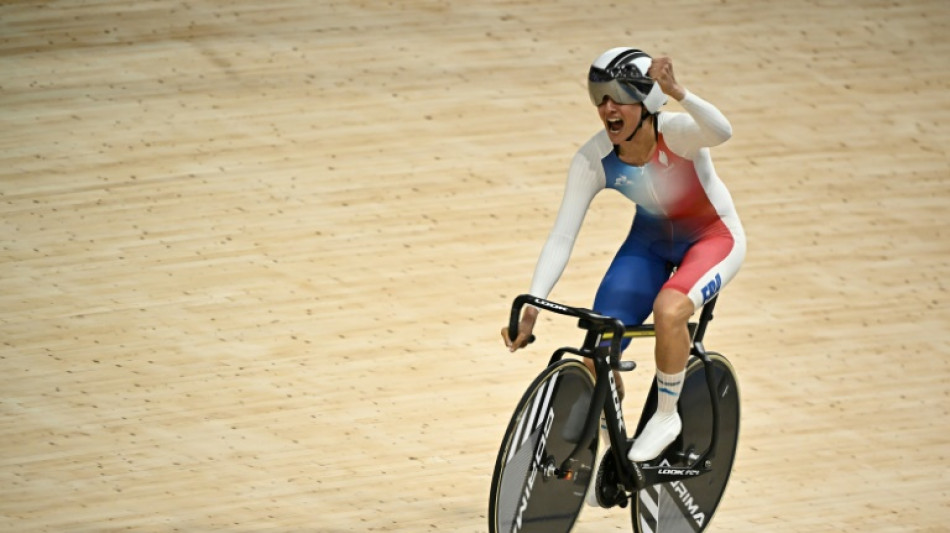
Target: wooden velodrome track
{"points": [[256, 255]]}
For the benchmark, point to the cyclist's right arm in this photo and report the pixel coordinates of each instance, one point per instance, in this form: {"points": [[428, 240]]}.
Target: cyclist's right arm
{"points": [[585, 179]]}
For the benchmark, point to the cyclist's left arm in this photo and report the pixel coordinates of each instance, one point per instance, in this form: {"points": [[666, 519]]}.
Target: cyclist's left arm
{"points": [[702, 126]]}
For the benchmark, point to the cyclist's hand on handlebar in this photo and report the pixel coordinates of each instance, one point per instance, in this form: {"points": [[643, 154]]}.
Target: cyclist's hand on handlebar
{"points": [[528, 317]]}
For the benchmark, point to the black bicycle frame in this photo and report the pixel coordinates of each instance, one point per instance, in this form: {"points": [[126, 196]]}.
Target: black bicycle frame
{"points": [[607, 358]]}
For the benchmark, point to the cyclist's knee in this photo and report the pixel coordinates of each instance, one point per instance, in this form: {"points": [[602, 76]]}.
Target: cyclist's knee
{"points": [[672, 308]]}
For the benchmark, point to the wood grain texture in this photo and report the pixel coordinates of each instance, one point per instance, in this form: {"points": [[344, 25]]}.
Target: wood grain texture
{"points": [[255, 256]]}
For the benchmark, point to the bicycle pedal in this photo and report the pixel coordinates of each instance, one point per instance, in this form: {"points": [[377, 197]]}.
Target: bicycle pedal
{"points": [[625, 366], [613, 496]]}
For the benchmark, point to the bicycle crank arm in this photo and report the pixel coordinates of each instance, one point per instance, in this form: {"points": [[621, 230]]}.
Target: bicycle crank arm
{"points": [[651, 475]]}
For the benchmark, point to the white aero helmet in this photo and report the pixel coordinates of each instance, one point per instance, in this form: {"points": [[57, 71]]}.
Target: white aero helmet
{"points": [[621, 74]]}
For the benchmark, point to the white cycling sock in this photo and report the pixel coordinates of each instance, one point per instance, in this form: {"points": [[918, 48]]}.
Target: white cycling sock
{"points": [[665, 424], [668, 388]]}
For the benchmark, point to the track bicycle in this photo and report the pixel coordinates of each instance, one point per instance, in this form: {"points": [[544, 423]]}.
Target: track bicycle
{"points": [[547, 465]]}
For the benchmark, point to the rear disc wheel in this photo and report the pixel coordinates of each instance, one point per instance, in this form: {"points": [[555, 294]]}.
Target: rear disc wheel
{"points": [[688, 505]]}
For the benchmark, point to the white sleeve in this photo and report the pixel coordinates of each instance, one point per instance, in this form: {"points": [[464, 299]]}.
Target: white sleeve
{"points": [[584, 181], [702, 126]]}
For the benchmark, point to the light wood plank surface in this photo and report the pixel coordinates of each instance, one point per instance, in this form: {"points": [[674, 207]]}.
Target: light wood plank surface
{"points": [[255, 255]]}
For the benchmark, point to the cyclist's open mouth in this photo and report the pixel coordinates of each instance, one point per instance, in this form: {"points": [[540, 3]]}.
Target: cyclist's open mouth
{"points": [[614, 125]]}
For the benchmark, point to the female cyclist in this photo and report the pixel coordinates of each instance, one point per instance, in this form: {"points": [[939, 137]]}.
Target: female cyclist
{"points": [[686, 241]]}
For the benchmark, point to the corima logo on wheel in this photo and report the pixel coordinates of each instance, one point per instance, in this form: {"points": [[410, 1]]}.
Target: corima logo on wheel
{"points": [[538, 457], [690, 507]]}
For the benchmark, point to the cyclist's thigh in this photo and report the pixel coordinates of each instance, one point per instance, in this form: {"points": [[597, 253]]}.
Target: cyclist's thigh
{"points": [[631, 283], [708, 266]]}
